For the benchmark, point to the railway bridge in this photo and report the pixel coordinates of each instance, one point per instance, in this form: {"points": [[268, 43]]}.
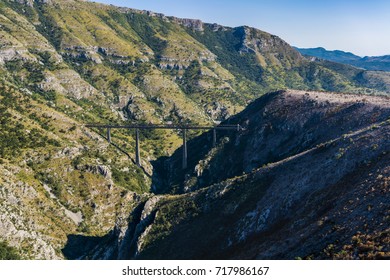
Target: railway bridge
{"points": [[183, 128]]}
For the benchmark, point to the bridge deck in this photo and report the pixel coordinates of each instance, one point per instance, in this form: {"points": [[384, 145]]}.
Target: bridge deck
{"points": [[167, 126]]}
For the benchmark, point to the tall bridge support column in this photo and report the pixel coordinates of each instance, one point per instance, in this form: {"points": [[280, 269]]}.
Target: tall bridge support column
{"points": [[184, 149], [109, 135], [183, 128], [214, 137], [137, 154]]}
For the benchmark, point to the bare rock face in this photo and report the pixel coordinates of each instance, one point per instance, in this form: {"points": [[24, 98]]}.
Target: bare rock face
{"points": [[153, 14], [144, 226], [103, 170], [194, 24], [31, 2], [8, 54], [16, 226], [73, 84], [26, 2], [134, 111], [172, 63], [83, 52], [126, 240], [264, 44], [217, 27], [44, 1], [218, 111]]}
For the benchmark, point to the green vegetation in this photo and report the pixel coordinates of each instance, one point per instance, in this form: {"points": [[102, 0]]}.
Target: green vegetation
{"points": [[14, 135], [7, 252], [191, 77], [49, 27], [134, 181], [226, 44], [150, 30]]}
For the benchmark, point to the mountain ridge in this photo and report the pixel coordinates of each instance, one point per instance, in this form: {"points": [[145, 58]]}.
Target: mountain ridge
{"points": [[374, 63]]}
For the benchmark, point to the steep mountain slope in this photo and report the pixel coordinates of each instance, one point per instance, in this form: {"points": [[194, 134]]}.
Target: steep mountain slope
{"points": [[67, 63], [276, 126], [137, 59], [326, 198], [56, 177], [373, 63], [369, 79]]}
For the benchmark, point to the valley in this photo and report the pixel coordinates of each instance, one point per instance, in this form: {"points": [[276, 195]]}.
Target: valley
{"points": [[306, 177]]}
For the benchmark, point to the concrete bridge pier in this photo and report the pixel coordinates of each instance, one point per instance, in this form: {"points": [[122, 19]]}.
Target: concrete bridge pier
{"points": [[185, 149], [183, 128], [137, 153], [109, 135], [214, 137]]}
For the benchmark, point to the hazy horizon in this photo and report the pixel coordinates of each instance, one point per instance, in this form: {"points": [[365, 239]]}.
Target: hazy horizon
{"points": [[359, 27]]}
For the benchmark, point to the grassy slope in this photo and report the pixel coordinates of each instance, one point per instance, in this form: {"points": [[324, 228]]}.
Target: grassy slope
{"points": [[49, 164]]}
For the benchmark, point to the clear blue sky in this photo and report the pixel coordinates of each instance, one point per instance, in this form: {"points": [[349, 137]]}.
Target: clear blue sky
{"points": [[358, 26]]}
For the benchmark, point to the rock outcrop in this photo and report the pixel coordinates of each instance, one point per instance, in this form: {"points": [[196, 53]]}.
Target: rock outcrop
{"points": [[194, 24]]}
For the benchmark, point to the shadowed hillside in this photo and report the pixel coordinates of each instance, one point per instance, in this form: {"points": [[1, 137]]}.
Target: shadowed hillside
{"points": [[321, 194], [276, 126]]}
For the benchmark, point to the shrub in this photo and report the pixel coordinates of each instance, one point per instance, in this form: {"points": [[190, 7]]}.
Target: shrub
{"points": [[7, 252]]}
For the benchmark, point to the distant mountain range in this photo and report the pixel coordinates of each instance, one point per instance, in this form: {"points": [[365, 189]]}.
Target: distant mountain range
{"points": [[375, 63]]}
